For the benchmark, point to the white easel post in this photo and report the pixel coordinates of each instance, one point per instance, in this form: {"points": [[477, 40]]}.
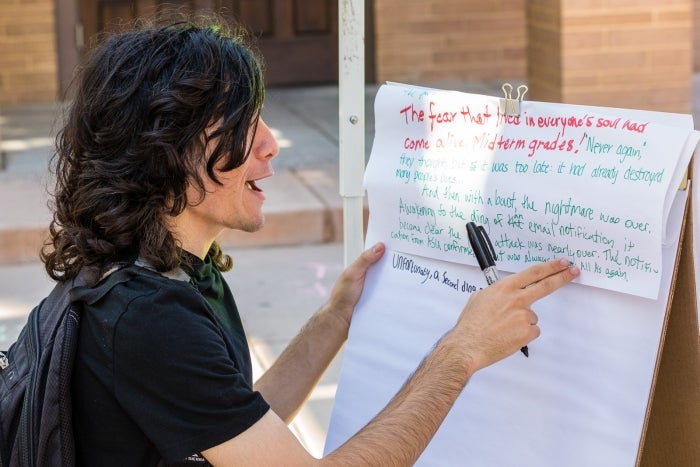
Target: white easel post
{"points": [[351, 101]]}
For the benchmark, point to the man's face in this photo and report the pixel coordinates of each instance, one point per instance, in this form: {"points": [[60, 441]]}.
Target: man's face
{"points": [[237, 202]]}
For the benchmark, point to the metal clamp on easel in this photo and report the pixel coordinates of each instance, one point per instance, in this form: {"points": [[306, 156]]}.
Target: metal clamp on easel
{"points": [[511, 106]]}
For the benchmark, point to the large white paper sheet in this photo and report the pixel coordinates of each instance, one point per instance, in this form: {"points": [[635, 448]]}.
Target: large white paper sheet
{"points": [[582, 396], [555, 181]]}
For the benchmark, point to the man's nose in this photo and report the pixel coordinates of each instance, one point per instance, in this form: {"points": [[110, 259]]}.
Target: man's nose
{"points": [[265, 144]]}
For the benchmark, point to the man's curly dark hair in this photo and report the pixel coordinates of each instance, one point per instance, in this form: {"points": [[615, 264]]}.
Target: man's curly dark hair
{"points": [[134, 138]]}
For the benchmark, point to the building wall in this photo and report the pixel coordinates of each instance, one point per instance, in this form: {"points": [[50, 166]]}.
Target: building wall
{"points": [[441, 40], [636, 53], [28, 63], [416, 41]]}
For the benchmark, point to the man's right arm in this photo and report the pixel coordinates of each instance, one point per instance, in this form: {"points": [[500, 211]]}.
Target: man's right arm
{"points": [[495, 323], [396, 436]]}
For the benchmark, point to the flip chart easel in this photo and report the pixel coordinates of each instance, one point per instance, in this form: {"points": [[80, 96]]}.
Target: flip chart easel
{"points": [[672, 427], [614, 379]]}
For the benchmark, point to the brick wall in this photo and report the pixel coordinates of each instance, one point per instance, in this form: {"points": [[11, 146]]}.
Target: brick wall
{"points": [[28, 63], [442, 40], [637, 53]]}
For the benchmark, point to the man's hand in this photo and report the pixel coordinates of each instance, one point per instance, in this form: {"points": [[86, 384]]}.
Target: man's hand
{"points": [[498, 320], [348, 288]]}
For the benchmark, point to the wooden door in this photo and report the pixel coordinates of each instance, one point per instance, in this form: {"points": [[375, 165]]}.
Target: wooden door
{"points": [[102, 16], [298, 39]]}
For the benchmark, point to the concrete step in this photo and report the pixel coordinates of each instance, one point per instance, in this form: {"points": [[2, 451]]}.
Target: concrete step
{"points": [[303, 206]]}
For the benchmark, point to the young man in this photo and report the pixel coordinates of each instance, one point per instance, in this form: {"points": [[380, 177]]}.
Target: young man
{"points": [[162, 149]]}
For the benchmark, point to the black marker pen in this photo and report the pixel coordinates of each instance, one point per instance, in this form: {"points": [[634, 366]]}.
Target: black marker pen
{"points": [[486, 256], [483, 249]]}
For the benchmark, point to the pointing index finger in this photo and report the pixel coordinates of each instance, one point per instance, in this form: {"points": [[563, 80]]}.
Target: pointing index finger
{"points": [[542, 279]]}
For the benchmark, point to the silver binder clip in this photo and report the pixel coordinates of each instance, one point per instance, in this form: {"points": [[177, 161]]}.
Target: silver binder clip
{"points": [[511, 106]]}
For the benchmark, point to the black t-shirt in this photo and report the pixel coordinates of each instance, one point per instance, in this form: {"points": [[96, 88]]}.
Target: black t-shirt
{"points": [[162, 369]]}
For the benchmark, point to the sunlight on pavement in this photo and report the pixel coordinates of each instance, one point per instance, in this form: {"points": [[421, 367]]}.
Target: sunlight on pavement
{"points": [[304, 426]]}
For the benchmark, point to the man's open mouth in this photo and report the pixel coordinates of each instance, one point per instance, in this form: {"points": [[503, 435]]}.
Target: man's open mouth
{"points": [[250, 184]]}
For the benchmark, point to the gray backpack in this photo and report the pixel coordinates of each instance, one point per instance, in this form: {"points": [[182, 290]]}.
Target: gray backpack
{"points": [[36, 414], [35, 374]]}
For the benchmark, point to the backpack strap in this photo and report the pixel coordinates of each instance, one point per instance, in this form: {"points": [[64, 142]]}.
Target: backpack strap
{"points": [[39, 366]]}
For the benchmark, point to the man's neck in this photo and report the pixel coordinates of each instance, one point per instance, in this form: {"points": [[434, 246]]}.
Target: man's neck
{"points": [[195, 240]]}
